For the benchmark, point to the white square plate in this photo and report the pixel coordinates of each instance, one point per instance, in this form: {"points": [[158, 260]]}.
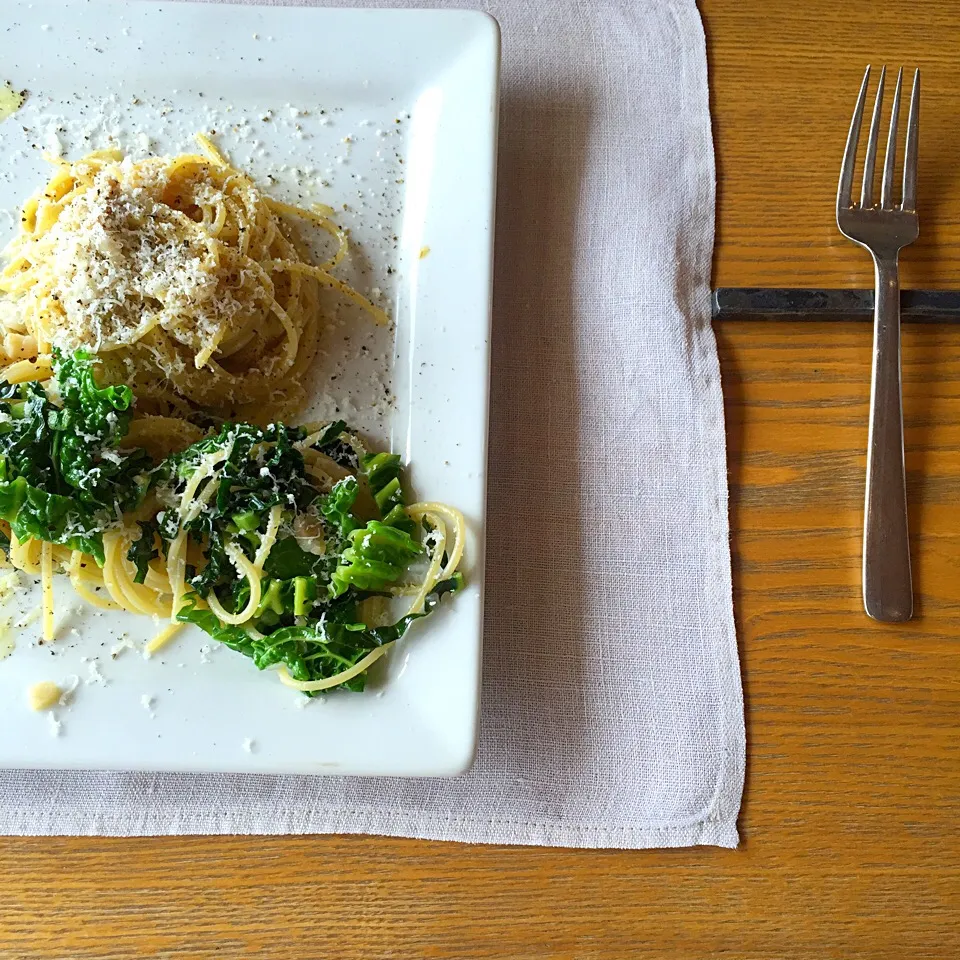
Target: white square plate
{"points": [[393, 114]]}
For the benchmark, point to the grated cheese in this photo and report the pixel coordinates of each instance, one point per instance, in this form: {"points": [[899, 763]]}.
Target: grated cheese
{"points": [[124, 643], [29, 617], [68, 689], [122, 263], [94, 675]]}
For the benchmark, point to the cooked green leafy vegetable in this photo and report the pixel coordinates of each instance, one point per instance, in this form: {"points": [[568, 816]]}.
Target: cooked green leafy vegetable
{"points": [[240, 503], [87, 428], [307, 617], [144, 549], [257, 469], [62, 477], [376, 557], [321, 648]]}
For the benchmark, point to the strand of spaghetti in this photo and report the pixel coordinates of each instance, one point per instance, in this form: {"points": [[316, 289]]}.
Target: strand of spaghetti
{"points": [[320, 214], [418, 511], [46, 572], [190, 503], [246, 569], [76, 580], [163, 637], [110, 580], [208, 147], [189, 509], [216, 228], [201, 359], [313, 686], [144, 597], [108, 153], [177, 571], [15, 553], [328, 280], [24, 556], [438, 515], [320, 220], [432, 576], [123, 588], [27, 371], [114, 577], [83, 567], [323, 463], [325, 480], [269, 537], [157, 580], [293, 338]]}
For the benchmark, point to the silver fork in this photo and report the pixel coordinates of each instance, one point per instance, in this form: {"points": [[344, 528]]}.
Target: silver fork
{"points": [[884, 229]]}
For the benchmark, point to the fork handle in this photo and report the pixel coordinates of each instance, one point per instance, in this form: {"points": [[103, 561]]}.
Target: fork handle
{"points": [[887, 587]]}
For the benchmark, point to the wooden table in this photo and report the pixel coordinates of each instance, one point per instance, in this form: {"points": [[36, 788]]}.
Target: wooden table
{"points": [[849, 821]]}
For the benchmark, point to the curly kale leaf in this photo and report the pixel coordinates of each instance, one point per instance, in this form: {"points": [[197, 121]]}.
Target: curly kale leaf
{"points": [[26, 441], [64, 481], [334, 444], [382, 471], [34, 513], [337, 507], [288, 559], [377, 556], [317, 650], [86, 432], [144, 549], [261, 468]]}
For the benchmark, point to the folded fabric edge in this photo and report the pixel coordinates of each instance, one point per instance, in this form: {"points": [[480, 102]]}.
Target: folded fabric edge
{"points": [[712, 832], [733, 776]]}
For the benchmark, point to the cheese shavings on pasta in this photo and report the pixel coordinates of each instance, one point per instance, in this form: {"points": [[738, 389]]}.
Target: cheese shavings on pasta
{"points": [[180, 274]]}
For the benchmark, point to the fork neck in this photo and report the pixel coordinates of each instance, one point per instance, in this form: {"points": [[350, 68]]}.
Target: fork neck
{"points": [[888, 286]]}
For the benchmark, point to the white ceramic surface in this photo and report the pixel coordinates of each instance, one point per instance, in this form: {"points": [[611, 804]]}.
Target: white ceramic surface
{"points": [[393, 113]]}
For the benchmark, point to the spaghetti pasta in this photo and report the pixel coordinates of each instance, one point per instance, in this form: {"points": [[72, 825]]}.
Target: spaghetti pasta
{"points": [[185, 279], [46, 570]]}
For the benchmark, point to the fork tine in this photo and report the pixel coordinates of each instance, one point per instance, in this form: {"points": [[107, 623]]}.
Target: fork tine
{"points": [[845, 190], [870, 161], [890, 157], [910, 155]]}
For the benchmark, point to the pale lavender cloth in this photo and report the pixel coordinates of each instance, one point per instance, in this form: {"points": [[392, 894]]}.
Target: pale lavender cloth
{"points": [[612, 708]]}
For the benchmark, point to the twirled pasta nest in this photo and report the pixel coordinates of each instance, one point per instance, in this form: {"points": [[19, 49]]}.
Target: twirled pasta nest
{"points": [[179, 273]]}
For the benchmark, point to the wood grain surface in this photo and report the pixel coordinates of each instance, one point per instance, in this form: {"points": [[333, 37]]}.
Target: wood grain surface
{"points": [[851, 845]]}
